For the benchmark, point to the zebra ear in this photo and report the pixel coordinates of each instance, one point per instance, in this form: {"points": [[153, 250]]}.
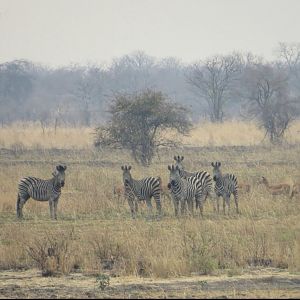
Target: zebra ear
{"points": [[212, 164], [65, 167], [169, 168], [129, 168], [122, 167], [219, 164], [182, 157], [175, 158]]}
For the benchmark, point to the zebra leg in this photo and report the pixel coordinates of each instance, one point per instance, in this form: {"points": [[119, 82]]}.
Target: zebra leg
{"points": [[132, 206], [236, 202], [20, 203], [149, 206], [176, 206], [55, 202], [227, 199], [200, 200], [51, 206], [224, 205], [183, 206], [136, 206], [158, 205], [201, 209], [213, 200], [191, 206], [218, 204]]}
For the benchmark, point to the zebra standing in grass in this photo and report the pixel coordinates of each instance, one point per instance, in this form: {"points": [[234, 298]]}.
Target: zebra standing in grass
{"points": [[203, 176], [185, 190], [225, 185], [143, 189], [42, 190]]}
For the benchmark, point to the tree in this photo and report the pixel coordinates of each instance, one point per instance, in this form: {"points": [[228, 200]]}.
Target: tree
{"points": [[268, 99], [138, 123], [289, 54], [213, 79], [88, 92], [16, 79]]}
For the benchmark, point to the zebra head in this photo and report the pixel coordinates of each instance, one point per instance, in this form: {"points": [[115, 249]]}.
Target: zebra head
{"points": [[174, 175], [216, 170], [178, 163], [59, 175], [126, 174]]}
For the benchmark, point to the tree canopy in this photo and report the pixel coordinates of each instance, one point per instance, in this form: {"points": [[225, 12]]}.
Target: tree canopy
{"points": [[138, 122]]}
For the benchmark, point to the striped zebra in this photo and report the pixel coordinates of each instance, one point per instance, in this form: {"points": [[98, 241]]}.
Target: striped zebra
{"points": [[203, 176], [184, 191], [225, 185], [42, 190], [141, 190]]}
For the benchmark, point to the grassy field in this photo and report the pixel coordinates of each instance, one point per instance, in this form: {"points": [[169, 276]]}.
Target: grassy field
{"points": [[95, 235]]}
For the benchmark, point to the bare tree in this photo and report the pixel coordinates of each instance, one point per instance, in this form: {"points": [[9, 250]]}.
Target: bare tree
{"points": [[290, 54], [268, 99], [213, 79]]}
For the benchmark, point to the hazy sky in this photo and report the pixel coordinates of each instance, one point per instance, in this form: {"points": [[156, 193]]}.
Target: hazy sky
{"points": [[58, 32]]}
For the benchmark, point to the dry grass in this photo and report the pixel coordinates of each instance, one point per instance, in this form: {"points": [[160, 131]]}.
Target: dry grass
{"points": [[229, 133], [106, 240]]}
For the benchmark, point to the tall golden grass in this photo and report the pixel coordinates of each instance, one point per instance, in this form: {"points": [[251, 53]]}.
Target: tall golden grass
{"points": [[105, 239], [229, 133]]}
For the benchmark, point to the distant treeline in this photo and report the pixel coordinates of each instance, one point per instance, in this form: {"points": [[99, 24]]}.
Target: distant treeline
{"points": [[217, 88]]}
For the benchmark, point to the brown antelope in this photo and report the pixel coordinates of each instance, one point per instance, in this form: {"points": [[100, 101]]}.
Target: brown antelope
{"points": [[119, 190], [295, 189], [276, 189], [244, 187]]}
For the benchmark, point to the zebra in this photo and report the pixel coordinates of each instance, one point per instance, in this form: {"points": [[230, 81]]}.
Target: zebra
{"points": [[41, 190], [225, 185], [203, 176], [185, 190], [141, 190]]}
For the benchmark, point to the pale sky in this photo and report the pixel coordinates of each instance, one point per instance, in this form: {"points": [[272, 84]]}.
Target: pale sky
{"points": [[59, 32]]}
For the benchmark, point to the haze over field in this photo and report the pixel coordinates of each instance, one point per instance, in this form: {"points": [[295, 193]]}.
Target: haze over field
{"points": [[58, 33]]}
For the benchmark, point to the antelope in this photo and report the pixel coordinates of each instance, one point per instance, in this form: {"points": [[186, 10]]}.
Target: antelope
{"points": [[295, 189], [244, 187], [277, 189]]}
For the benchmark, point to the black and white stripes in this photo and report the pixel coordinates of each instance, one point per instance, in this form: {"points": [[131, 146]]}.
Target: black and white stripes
{"points": [[41, 190], [203, 176], [225, 185], [184, 190], [143, 189]]}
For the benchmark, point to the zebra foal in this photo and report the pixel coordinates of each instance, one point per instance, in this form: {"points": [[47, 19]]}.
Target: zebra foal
{"points": [[139, 190], [41, 190], [185, 190], [225, 185]]}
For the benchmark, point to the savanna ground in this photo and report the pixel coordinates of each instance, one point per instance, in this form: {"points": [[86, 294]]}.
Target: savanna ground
{"points": [[254, 254]]}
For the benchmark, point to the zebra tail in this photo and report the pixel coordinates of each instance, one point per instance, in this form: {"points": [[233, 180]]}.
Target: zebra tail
{"points": [[18, 204]]}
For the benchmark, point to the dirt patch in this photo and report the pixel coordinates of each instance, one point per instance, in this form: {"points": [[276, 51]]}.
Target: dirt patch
{"points": [[267, 283]]}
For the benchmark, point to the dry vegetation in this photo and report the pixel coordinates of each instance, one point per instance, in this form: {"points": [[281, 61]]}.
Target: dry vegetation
{"points": [[230, 133], [96, 235]]}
